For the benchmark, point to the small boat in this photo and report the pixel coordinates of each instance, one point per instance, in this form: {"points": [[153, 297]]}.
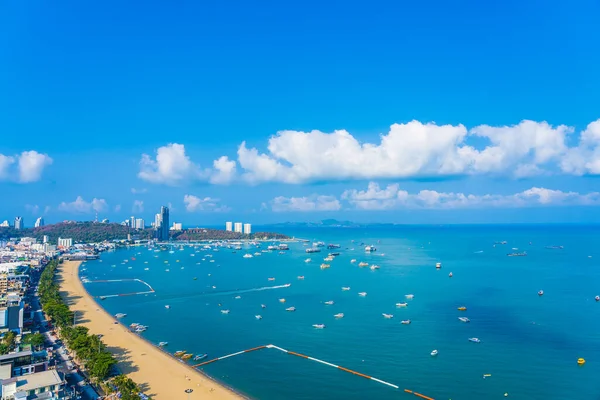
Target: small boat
{"points": [[307, 260], [353, 260], [237, 297], [179, 353], [287, 285], [290, 309], [319, 326], [362, 294], [463, 308], [541, 293], [581, 361], [263, 306], [438, 265], [167, 306], [301, 277], [345, 287], [162, 344], [248, 255], [374, 267], [339, 315], [410, 296], [597, 298], [146, 269], [405, 322], [200, 357], [271, 279], [224, 311], [370, 249], [186, 356], [282, 300], [195, 278], [450, 274], [120, 315], [401, 304], [363, 264], [333, 254], [329, 303], [523, 254], [474, 340], [328, 258], [464, 319], [258, 316], [325, 266], [434, 353], [387, 316]]}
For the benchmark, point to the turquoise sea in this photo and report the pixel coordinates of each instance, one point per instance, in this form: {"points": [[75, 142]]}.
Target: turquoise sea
{"points": [[529, 343]]}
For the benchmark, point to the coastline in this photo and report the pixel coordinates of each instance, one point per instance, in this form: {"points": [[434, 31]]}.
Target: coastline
{"points": [[159, 375]]}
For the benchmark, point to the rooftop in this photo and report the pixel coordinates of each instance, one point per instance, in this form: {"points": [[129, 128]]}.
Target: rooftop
{"points": [[35, 381]]}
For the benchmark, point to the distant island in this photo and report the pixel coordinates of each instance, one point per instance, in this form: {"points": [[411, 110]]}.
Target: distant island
{"points": [[93, 232]]}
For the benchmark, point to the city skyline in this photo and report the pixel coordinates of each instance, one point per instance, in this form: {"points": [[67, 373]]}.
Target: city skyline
{"points": [[451, 121]]}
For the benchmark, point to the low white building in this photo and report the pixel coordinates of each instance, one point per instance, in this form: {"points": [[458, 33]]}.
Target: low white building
{"points": [[65, 242], [27, 386]]}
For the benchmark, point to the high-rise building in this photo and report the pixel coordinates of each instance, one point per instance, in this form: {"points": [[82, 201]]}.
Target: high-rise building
{"points": [[228, 226], [45, 239], [139, 223], [19, 223], [132, 222], [66, 243], [247, 229], [161, 224], [237, 227], [39, 222], [177, 226]]}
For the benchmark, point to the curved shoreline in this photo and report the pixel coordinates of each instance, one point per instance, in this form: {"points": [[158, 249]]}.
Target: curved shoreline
{"points": [[158, 373]]}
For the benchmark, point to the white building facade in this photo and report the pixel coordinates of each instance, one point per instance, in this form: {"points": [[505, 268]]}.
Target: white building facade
{"points": [[247, 229], [65, 242], [237, 227], [229, 226]]}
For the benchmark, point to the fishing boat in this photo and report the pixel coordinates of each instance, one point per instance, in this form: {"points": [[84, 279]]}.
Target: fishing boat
{"points": [[363, 264], [333, 254], [319, 326], [200, 357], [387, 316], [434, 353], [339, 315], [120, 315], [362, 294], [258, 316], [162, 344], [401, 304], [179, 353], [290, 309], [301, 277], [463, 308], [224, 311], [405, 322], [329, 303], [345, 288], [374, 267], [464, 319], [186, 356], [474, 340], [410, 296], [541, 293], [333, 246]]}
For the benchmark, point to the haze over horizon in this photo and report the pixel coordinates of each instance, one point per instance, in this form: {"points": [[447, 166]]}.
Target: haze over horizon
{"points": [[403, 113]]}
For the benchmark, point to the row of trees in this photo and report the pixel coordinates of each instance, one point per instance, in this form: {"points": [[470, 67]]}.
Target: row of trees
{"points": [[89, 349]]}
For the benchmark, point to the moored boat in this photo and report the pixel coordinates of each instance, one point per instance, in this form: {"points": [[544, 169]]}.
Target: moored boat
{"points": [[474, 340], [434, 353], [362, 294], [329, 302], [290, 309], [405, 322], [200, 357], [345, 287], [179, 353], [319, 326], [186, 356], [401, 304], [541, 293], [300, 277], [339, 315], [387, 316], [224, 311], [162, 344], [463, 308], [464, 319], [438, 265]]}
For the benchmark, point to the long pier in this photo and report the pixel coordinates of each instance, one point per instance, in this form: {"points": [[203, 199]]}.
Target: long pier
{"points": [[350, 371]]}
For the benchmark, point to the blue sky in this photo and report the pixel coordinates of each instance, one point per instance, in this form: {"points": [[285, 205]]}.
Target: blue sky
{"points": [[380, 111]]}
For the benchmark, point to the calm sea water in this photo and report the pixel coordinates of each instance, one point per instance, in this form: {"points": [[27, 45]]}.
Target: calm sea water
{"points": [[529, 344]]}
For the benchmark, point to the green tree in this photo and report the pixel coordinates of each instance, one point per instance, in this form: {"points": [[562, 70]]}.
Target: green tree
{"points": [[34, 339]]}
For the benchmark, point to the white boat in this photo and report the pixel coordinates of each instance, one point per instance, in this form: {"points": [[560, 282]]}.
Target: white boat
{"points": [[271, 279], [370, 249], [258, 316], [328, 258], [319, 326], [363, 264], [167, 306], [329, 303], [362, 294], [374, 267], [434, 353], [257, 254], [345, 287], [405, 322], [290, 309], [282, 300], [307, 260], [237, 297], [353, 260], [450, 275], [162, 344], [325, 266], [401, 304], [541, 293], [287, 285], [597, 298], [248, 255], [200, 357], [339, 315], [120, 315], [387, 316], [438, 265], [474, 340], [224, 311], [301, 277], [464, 319], [263, 306], [410, 296]]}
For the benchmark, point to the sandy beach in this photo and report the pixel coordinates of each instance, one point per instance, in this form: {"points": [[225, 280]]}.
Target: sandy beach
{"points": [[159, 375]]}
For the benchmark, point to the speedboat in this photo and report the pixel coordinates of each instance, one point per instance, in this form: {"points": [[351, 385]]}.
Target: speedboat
{"points": [[224, 311], [362, 294], [438, 265], [258, 316], [301, 277], [162, 344], [463, 308], [353, 260], [387, 316], [541, 293], [319, 326], [186, 356], [290, 309], [179, 353], [410, 296], [329, 302], [340, 315], [597, 298], [405, 322], [307, 260], [374, 267], [287, 285], [464, 319], [401, 304], [345, 287], [474, 340], [271, 279], [434, 353], [120, 315], [200, 357], [167, 306], [263, 306]]}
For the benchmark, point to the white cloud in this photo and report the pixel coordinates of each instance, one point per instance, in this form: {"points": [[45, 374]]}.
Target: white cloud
{"points": [[32, 208], [171, 166], [138, 206], [194, 203], [375, 198], [585, 158], [139, 191], [225, 171], [83, 207], [311, 203], [117, 208], [24, 168]]}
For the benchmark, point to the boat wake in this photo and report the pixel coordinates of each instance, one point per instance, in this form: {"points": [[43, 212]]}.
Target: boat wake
{"points": [[224, 292]]}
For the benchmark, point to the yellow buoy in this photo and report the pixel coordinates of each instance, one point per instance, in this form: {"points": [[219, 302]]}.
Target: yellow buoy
{"points": [[580, 361]]}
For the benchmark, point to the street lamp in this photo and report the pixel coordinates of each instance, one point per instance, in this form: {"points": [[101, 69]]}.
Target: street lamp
{"points": [[188, 391]]}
